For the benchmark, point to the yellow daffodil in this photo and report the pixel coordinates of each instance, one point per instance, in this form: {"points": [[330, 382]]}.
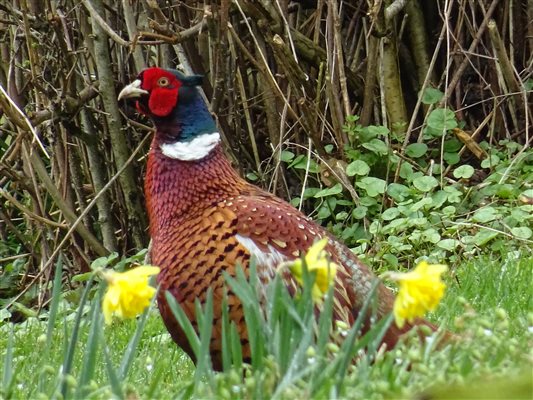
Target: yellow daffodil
{"points": [[128, 293], [419, 291], [317, 262]]}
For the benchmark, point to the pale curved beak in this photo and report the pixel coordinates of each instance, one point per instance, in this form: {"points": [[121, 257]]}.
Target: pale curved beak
{"points": [[132, 90]]}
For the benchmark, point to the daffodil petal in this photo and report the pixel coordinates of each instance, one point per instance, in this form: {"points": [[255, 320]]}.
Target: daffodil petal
{"points": [[313, 254], [419, 291], [128, 293]]}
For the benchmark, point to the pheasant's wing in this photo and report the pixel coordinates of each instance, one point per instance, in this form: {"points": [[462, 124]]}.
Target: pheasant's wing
{"points": [[272, 231]]}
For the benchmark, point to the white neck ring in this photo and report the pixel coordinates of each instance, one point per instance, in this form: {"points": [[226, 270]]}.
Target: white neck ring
{"points": [[195, 149]]}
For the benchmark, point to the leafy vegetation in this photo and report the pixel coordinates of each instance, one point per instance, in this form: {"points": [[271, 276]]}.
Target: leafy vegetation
{"points": [[433, 207]]}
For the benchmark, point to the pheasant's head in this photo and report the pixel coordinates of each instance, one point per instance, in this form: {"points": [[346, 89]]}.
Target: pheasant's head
{"points": [[185, 129]]}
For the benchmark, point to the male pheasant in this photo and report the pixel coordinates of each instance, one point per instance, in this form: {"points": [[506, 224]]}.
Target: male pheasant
{"points": [[205, 219]]}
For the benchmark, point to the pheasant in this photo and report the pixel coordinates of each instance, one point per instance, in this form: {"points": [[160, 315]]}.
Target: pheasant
{"points": [[205, 219]]}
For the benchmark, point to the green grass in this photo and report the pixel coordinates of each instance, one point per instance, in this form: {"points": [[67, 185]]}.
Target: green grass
{"points": [[487, 304]]}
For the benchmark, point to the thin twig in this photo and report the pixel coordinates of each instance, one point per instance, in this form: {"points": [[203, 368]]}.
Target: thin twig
{"points": [[25, 119], [100, 21], [30, 213]]}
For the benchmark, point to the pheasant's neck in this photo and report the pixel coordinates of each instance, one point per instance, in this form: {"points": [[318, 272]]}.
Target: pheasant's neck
{"points": [[175, 189]]}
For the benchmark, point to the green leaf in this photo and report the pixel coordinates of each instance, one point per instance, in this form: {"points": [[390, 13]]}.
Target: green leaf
{"points": [[82, 277], [116, 387], [323, 212], [416, 150], [73, 342], [452, 145], [484, 236], [373, 186], [345, 202], [7, 375], [522, 232], [448, 244], [505, 190], [331, 191], [185, 324], [390, 214], [251, 176], [422, 203], [449, 210], [528, 84], [485, 214], [310, 192], [329, 148], [377, 146], [342, 216], [359, 212], [432, 96], [368, 201], [406, 171], [397, 224], [425, 183], [441, 120], [454, 195], [357, 167], [490, 162], [438, 199], [54, 304], [286, 156], [300, 162], [398, 191], [91, 350], [377, 130], [464, 171], [133, 344], [451, 158], [102, 262], [295, 202], [527, 193], [431, 235], [5, 314], [391, 259]]}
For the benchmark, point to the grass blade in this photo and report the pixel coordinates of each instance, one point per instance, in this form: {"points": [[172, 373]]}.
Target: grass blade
{"points": [[54, 302], [91, 350], [71, 347], [185, 324], [129, 354], [7, 376], [236, 346], [205, 327], [347, 347], [116, 387], [226, 336]]}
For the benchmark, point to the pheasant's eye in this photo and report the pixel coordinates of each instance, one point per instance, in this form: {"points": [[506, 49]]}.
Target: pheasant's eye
{"points": [[163, 81]]}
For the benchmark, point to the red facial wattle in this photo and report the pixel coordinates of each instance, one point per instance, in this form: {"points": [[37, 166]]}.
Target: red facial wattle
{"points": [[162, 101], [163, 92]]}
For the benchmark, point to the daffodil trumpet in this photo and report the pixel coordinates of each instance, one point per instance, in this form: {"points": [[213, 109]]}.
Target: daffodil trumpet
{"points": [[420, 291], [128, 293], [317, 263]]}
